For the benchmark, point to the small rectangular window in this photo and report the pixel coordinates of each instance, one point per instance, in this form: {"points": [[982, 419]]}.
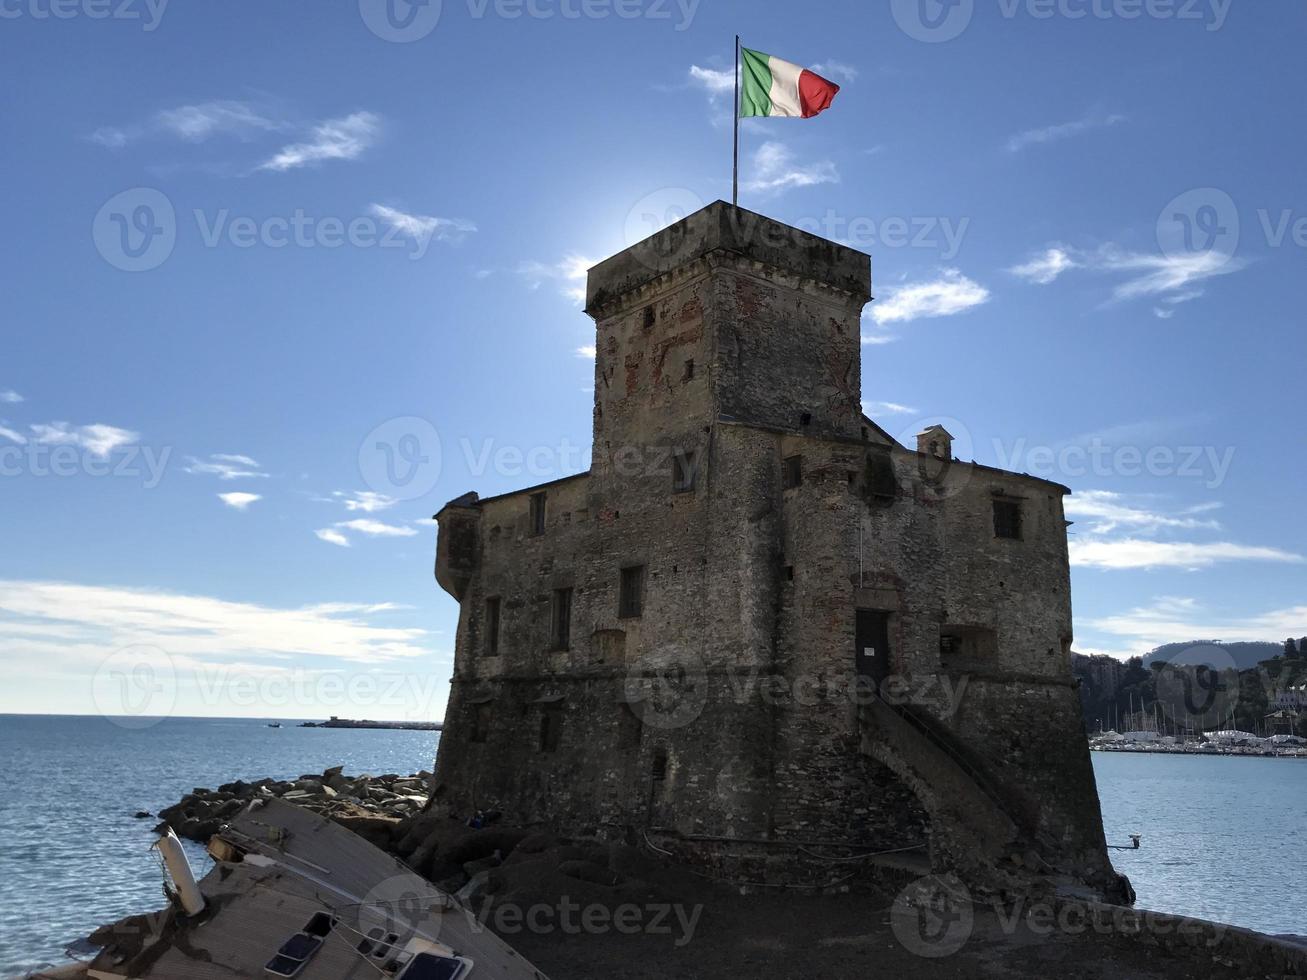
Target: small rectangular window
{"points": [[561, 631], [481, 723], [683, 471], [658, 768], [551, 727], [631, 601], [689, 370], [792, 472], [492, 626], [537, 513], [1007, 519]]}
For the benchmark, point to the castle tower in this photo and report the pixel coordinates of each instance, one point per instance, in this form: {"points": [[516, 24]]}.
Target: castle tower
{"points": [[698, 637]]}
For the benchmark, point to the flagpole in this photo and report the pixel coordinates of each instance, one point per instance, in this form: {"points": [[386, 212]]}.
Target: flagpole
{"points": [[735, 178]]}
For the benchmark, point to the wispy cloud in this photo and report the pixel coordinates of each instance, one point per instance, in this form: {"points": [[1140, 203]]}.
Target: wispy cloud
{"points": [[194, 124], [589, 353], [1045, 267], [1143, 553], [366, 501], [1172, 279], [97, 439], [336, 139], [10, 397], [570, 274], [239, 501], [332, 536], [377, 529], [887, 408], [1171, 619], [90, 622], [1108, 511], [712, 80], [948, 294], [1061, 131], [423, 228], [774, 170], [836, 69], [225, 466]]}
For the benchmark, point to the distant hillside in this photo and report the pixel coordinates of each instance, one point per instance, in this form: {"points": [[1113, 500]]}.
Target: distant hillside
{"points": [[1244, 654]]}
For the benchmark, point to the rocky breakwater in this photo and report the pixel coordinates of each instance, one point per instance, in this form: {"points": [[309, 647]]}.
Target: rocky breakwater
{"points": [[371, 806]]}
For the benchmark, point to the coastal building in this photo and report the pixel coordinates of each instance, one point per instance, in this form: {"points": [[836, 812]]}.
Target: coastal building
{"points": [[760, 620]]}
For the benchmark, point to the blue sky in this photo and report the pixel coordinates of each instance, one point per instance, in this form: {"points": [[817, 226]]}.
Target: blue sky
{"points": [[358, 234]]}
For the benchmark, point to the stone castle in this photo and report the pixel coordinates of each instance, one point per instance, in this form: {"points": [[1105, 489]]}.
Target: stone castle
{"points": [[759, 623]]}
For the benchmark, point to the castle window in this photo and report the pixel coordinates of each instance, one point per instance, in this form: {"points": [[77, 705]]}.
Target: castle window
{"points": [[882, 487], [689, 370], [631, 600], [493, 606], [551, 727], [792, 472], [805, 419], [683, 471], [538, 513], [650, 317], [1007, 518], [658, 770], [561, 630], [630, 727], [481, 723]]}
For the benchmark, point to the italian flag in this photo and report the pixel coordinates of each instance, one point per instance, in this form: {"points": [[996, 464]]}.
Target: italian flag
{"points": [[772, 87]]}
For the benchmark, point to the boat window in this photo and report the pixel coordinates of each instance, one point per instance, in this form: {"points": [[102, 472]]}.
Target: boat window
{"points": [[283, 966], [426, 966], [300, 947], [320, 925]]}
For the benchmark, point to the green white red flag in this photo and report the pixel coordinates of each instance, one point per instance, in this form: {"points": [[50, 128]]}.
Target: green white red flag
{"points": [[772, 87]]}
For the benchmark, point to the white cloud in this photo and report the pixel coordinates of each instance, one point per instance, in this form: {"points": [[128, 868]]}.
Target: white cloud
{"points": [[336, 139], [1155, 274], [886, 408], [713, 81], [588, 352], [97, 439], [1051, 134], [423, 228], [10, 397], [1144, 553], [836, 69], [89, 623], [376, 529], [1171, 619], [239, 501], [1045, 268], [776, 171], [225, 466], [12, 436], [364, 500], [948, 294], [193, 124], [570, 273], [332, 536], [1109, 510]]}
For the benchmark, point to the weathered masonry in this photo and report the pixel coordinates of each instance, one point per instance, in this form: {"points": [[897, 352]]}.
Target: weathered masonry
{"points": [[759, 618]]}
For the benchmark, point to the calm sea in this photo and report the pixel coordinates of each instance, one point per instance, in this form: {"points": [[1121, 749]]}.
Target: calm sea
{"points": [[1220, 835]]}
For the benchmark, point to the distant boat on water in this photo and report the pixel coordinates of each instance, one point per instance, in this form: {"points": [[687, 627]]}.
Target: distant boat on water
{"points": [[274, 724]]}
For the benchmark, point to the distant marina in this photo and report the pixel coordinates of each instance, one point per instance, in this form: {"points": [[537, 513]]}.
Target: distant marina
{"points": [[396, 726], [1212, 743]]}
